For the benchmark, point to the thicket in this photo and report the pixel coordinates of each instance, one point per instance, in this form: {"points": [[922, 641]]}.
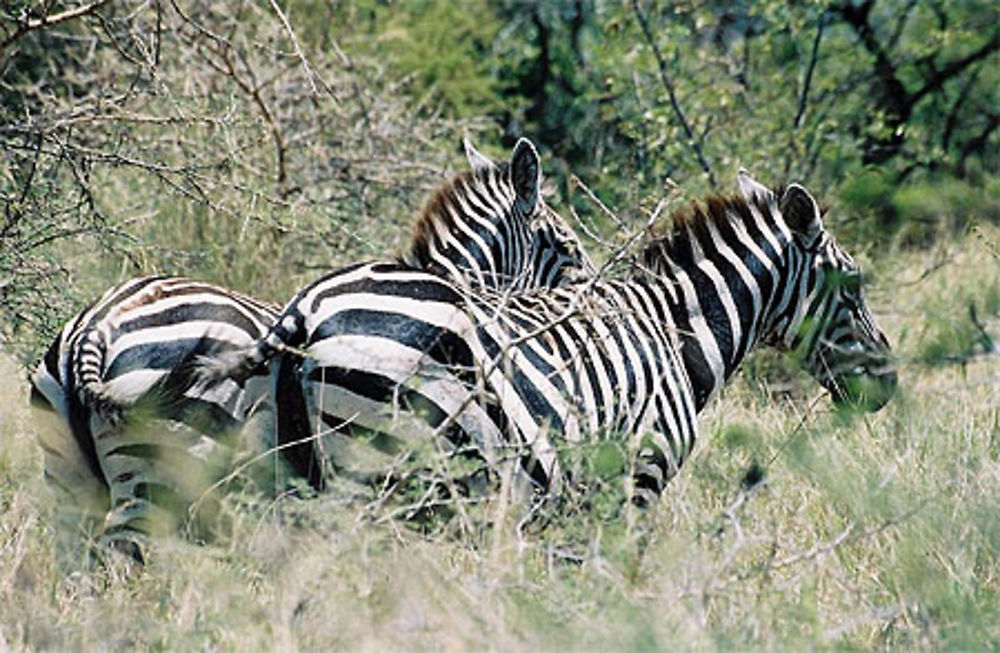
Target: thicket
{"points": [[255, 143]]}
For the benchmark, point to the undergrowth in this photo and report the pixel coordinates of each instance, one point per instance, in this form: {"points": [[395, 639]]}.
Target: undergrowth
{"points": [[791, 526]]}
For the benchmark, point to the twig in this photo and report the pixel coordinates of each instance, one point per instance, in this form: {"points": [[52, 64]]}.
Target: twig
{"points": [[807, 82], [33, 24], [798, 427], [576, 182], [804, 95], [672, 93], [926, 273], [196, 504], [310, 74]]}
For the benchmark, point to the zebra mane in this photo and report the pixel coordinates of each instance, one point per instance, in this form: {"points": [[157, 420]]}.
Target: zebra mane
{"points": [[436, 211], [691, 225]]}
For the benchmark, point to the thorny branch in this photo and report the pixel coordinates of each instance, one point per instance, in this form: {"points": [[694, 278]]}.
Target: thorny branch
{"points": [[311, 76], [27, 25], [668, 84]]}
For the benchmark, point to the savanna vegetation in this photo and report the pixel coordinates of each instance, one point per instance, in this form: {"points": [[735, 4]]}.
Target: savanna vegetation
{"points": [[259, 144]]}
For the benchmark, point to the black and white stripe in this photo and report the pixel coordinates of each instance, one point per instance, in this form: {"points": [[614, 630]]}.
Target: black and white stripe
{"points": [[386, 356], [125, 354], [490, 228], [106, 381]]}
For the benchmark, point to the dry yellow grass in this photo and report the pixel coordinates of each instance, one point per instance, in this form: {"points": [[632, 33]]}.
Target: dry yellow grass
{"points": [[874, 531]]}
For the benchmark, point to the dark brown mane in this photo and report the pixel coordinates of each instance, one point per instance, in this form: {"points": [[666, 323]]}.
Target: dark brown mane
{"points": [[692, 223], [435, 210], [674, 240]]}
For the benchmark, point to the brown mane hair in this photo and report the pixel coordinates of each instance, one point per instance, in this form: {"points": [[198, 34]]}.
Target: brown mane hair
{"points": [[692, 223], [435, 210], [675, 240]]}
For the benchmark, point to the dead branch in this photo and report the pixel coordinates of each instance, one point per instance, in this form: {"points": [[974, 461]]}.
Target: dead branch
{"points": [[33, 24], [668, 84]]}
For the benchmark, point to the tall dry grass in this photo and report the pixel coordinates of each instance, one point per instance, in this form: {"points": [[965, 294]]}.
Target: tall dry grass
{"points": [[867, 531]]}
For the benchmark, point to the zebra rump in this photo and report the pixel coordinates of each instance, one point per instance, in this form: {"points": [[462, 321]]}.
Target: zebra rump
{"points": [[112, 395]]}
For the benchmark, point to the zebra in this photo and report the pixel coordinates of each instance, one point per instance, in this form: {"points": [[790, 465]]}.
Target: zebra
{"points": [[488, 226], [377, 358], [101, 394]]}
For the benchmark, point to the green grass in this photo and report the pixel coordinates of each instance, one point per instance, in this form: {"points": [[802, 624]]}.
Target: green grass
{"points": [[864, 532], [867, 531]]}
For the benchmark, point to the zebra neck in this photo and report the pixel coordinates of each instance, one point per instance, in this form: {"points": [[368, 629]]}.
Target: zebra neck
{"points": [[721, 298]]}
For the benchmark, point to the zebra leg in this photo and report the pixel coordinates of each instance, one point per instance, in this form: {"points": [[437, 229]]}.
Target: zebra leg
{"points": [[81, 496], [161, 476], [257, 457], [293, 425]]}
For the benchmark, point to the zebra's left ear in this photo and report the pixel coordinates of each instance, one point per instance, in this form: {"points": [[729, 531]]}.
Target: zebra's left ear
{"points": [[525, 174], [801, 213], [754, 192], [477, 160]]}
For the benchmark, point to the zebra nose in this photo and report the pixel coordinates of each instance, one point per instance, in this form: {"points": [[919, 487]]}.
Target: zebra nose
{"points": [[887, 383], [869, 391]]}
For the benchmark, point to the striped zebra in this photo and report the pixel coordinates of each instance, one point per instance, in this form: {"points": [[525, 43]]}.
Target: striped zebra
{"points": [[490, 228], [126, 353], [103, 394], [379, 359]]}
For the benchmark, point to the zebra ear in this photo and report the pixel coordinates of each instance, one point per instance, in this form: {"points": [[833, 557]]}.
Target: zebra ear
{"points": [[754, 192], [801, 213], [525, 174], [477, 160]]}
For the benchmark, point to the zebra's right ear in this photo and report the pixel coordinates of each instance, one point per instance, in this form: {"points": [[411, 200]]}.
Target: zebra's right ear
{"points": [[526, 174], [801, 213], [477, 160]]}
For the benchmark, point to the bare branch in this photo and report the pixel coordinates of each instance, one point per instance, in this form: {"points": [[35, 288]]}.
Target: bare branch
{"points": [[807, 82], [33, 24], [311, 76], [804, 94], [672, 93]]}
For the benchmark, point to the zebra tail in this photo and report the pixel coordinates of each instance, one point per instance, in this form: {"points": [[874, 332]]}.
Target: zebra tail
{"points": [[94, 394], [235, 364]]}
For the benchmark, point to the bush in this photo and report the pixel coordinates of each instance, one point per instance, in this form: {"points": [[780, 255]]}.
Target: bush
{"points": [[943, 206]]}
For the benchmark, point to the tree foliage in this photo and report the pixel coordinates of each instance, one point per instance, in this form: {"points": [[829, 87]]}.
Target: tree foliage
{"points": [[221, 139], [810, 91]]}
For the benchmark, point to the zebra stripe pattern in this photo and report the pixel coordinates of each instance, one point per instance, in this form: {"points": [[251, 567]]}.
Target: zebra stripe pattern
{"points": [[518, 376], [490, 228], [121, 356]]}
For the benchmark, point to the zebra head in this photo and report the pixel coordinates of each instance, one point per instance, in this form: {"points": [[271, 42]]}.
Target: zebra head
{"points": [[555, 255], [823, 316]]}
